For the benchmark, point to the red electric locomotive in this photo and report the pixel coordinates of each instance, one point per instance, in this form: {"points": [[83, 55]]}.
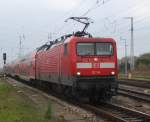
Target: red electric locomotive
{"points": [[79, 66], [86, 66]]}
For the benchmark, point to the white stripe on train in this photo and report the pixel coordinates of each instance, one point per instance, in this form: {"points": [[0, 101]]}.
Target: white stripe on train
{"points": [[89, 65]]}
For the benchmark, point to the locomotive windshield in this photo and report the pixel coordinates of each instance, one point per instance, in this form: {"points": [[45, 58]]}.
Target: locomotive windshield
{"points": [[98, 48]]}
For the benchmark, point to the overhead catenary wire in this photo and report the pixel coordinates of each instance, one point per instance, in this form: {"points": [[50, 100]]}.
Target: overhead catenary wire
{"points": [[121, 15], [97, 4], [111, 22], [68, 14]]}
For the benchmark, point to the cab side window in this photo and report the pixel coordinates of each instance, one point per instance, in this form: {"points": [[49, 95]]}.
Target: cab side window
{"points": [[65, 49]]}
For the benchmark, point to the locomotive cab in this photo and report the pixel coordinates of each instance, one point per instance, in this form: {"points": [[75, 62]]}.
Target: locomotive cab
{"points": [[95, 66]]}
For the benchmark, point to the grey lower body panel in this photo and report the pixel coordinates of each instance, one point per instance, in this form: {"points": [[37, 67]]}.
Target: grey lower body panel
{"points": [[97, 84]]}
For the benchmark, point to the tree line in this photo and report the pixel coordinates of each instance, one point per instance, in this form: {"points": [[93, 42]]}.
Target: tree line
{"points": [[142, 63]]}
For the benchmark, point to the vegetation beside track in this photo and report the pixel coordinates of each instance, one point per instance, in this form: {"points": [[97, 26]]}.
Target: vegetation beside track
{"points": [[142, 67], [15, 107], [135, 76]]}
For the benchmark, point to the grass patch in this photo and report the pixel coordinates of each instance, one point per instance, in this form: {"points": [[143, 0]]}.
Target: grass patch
{"points": [[17, 108], [48, 114]]}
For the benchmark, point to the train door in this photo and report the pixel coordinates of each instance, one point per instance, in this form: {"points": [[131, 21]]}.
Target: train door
{"points": [[65, 64], [36, 65], [37, 73], [59, 63]]}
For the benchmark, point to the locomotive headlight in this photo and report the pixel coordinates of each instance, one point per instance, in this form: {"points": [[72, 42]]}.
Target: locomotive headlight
{"points": [[112, 73], [95, 59], [78, 73]]}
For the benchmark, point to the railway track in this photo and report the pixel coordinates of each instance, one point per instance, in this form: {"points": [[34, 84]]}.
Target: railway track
{"points": [[134, 94], [112, 112], [118, 113], [136, 83], [130, 88]]}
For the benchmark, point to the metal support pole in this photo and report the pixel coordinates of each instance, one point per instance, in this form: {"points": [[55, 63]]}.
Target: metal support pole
{"points": [[132, 44], [126, 60], [20, 46], [21, 38]]}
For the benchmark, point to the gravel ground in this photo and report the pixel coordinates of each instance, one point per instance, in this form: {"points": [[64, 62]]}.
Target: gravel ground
{"points": [[69, 113], [61, 110], [142, 90], [131, 103]]}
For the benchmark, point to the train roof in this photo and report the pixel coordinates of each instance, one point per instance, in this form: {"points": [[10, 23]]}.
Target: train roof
{"points": [[71, 37], [86, 39], [63, 39]]}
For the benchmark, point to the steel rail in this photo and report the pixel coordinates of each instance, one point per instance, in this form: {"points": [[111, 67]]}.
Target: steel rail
{"points": [[137, 83], [118, 113], [134, 94]]}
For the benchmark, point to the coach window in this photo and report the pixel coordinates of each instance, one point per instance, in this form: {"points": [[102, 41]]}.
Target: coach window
{"points": [[65, 49]]}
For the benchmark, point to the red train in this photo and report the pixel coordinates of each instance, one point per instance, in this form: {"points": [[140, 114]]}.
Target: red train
{"points": [[80, 66]]}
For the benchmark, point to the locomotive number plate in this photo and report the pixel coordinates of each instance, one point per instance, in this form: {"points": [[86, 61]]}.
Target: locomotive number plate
{"points": [[96, 65]]}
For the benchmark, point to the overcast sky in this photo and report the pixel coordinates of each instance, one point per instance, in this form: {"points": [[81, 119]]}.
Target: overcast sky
{"points": [[36, 18]]}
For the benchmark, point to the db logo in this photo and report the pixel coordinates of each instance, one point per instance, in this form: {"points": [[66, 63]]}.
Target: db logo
{"points": [[96, 65]]}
